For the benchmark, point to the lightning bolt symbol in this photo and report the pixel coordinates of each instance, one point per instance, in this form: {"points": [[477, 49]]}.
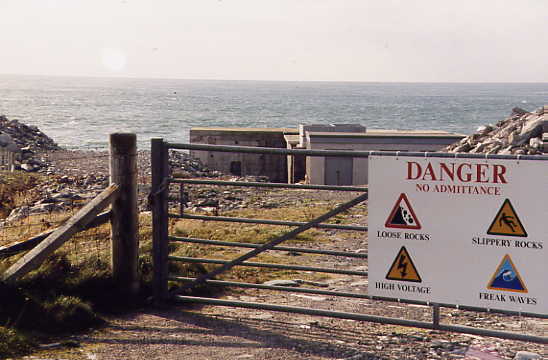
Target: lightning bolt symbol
{"points": [[402, 264]]}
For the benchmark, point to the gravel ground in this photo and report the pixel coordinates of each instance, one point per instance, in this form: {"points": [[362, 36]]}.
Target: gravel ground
{"points": [[186, 331]]}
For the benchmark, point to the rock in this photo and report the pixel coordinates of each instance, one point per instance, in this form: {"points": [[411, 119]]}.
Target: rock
{"points": [[535, 143], [45, 208], [282, 283], [27, 167], [309, 297], [18, 214], [313, 283], [65, 180], [66, 196], [526, 355], [518, 111], [533, 127]]}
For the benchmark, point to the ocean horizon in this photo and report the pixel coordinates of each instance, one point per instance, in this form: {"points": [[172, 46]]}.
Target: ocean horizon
{"points": [[80, 112]]}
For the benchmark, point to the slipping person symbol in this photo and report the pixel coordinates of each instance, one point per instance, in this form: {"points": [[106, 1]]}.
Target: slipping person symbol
{"points": [[508, 221]]}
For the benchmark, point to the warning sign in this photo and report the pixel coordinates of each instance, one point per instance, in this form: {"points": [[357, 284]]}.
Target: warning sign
{"points": [[507, 277], [507, 222], [402, 215], [403, 268], [474, 230]]}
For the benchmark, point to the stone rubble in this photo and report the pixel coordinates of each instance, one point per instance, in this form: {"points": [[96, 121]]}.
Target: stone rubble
{"points": [[519, 134], [27, 136], [25, 141]]}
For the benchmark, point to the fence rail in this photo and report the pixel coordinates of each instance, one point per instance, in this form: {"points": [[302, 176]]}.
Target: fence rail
{"points": [[344, 153]]}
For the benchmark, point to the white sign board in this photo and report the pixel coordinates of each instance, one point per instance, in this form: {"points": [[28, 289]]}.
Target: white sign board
{"points": [[459, 231]]}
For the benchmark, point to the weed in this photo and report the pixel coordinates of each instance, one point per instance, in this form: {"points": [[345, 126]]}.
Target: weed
{"points": [[14, 190], [13, 343]]}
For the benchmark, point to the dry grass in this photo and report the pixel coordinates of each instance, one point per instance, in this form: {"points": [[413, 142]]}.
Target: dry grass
{"points": [[255, 234], [14, 190]]}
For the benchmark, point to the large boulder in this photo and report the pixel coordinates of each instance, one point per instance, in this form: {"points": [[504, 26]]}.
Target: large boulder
{"points": [[6, 142]]}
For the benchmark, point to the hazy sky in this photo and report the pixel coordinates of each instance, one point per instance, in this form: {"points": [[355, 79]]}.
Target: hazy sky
{"points": [[334, 40]]}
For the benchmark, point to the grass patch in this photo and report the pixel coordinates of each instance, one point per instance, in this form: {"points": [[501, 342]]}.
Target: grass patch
{"points": [[14, 343], [254, 234], [15, 190]]}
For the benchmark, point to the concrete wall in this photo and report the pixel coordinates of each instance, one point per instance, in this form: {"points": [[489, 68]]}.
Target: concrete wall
{"points": [[315, 166], [272, 166]]}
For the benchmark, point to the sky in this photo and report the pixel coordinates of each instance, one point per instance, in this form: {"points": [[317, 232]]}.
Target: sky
{"points": [[296, 40]]}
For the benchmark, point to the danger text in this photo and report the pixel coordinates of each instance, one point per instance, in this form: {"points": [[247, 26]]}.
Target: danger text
{"points": [[462, 172]]}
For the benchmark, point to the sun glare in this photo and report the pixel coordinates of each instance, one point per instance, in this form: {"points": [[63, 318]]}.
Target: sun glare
{"points": [[113, 59]]}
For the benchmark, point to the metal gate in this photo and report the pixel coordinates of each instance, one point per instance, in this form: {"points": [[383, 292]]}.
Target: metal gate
{"points": [[161, 212]]}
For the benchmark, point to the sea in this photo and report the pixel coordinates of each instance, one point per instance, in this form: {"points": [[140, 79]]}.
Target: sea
{"points": [[80, 112]]}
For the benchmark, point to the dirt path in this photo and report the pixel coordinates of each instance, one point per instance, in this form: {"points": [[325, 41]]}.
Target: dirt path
{"points": [[193, 332]]}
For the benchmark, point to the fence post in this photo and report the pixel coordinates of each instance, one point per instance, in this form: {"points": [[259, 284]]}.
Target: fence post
{"points": [[125, 217], [160, 172]]}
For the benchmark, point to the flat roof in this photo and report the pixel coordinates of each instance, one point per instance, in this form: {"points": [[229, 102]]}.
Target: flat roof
{"points": [[368, 133], [247, 129], [390, 134]]}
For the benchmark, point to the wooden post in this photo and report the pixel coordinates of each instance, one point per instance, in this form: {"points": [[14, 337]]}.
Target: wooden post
{"points": [[124, 217], [158, 199]]}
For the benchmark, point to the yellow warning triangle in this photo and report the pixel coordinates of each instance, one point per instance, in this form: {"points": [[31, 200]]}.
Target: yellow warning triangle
{"points": [[403, 268], [507, 222]]}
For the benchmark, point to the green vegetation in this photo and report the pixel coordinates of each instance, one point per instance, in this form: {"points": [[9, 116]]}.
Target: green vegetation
{"points": [[13, 343]]}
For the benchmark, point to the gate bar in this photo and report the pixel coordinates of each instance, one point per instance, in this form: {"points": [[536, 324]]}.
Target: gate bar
{"points": [[271, 244], [359, 296], [278, 248], [267, 265], [363, 317], [267, 222], [268, 185], [346, 153]]}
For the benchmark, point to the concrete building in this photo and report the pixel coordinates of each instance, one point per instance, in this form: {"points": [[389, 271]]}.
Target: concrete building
{"points": [[272, 166], [315, 170], [354, 171]]}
